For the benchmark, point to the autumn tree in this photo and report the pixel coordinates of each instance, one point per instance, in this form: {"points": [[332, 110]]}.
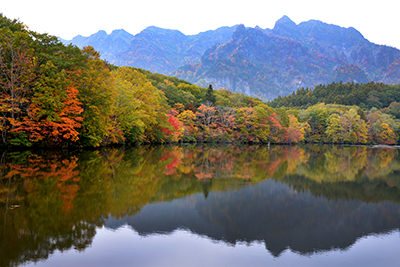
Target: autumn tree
{"points": [[246, 122], [54, 115], [355, 127], [275, 128], [263, 130], [226, 116], [188, 119], [173, 131], [206, 115], [16, 75], [386, 135], [294, 131]]}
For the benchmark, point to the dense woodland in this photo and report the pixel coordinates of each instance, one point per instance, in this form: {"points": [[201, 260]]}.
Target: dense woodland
{"points": [[58, 95], [366, 96]]}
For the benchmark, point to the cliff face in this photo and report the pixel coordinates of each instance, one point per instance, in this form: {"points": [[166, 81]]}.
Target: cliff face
{"points": [[268, 63]]}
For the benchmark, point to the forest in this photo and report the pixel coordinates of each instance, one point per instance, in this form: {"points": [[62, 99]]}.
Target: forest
{"points": [[366, 96], [56, 95]]}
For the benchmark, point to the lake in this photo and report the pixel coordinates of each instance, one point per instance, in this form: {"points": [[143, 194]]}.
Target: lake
{"points": [[193, 205]]}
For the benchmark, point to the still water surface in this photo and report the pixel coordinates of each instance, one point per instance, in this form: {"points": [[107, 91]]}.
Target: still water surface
{"points": [[201, 206]]}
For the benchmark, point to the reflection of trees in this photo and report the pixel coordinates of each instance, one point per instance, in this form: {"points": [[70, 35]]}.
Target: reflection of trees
{"points": [[333, 164], [54, 201], [336, 172], [251, 163], [47, 198], [37, 195]]}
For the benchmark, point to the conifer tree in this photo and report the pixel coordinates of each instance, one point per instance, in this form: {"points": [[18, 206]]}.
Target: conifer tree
{"points": [[210, 95]]}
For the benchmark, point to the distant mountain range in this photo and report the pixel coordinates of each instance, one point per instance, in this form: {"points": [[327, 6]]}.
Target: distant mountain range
{"points": [[258, 62], [154, 49]]}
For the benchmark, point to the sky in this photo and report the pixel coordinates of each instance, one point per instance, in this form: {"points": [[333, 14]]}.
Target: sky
{"points": [[378, 21]]}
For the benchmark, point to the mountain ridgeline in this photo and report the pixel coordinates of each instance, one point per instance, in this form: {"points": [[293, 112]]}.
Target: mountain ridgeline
{"points": [[154, 49], [258, 62]]}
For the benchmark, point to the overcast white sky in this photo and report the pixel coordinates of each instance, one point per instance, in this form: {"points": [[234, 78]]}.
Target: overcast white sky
{"points": [[378, 21]]}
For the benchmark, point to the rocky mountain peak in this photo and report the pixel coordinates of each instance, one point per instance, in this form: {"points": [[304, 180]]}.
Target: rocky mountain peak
{"points": [[286, 21], [120, 32], [285, 27], [240, 32]]}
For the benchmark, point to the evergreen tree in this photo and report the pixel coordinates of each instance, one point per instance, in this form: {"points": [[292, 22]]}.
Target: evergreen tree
{"points": [[210, 96]]}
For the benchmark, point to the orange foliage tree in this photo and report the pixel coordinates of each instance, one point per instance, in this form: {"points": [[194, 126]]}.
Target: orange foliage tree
{"points": [[54, 115]]}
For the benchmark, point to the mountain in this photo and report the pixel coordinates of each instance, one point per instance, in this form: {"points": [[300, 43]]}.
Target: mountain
{"points": [[268, 63], [108, 45], [163, 51], [154, 49], [258, 62]]}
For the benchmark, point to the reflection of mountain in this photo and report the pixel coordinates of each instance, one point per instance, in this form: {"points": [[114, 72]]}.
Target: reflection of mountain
{"points": [[271, 212]]}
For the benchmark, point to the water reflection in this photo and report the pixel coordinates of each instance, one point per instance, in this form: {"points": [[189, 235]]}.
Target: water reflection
{"points": [[306, 198]]}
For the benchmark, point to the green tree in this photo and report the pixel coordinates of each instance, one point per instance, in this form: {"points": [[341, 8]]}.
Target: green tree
{"points": [[137, 103], [97, 94], [334, 129], [282, 117]]}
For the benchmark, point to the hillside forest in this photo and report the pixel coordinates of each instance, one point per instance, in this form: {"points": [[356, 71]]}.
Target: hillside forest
{"points": [[56, 95]]}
